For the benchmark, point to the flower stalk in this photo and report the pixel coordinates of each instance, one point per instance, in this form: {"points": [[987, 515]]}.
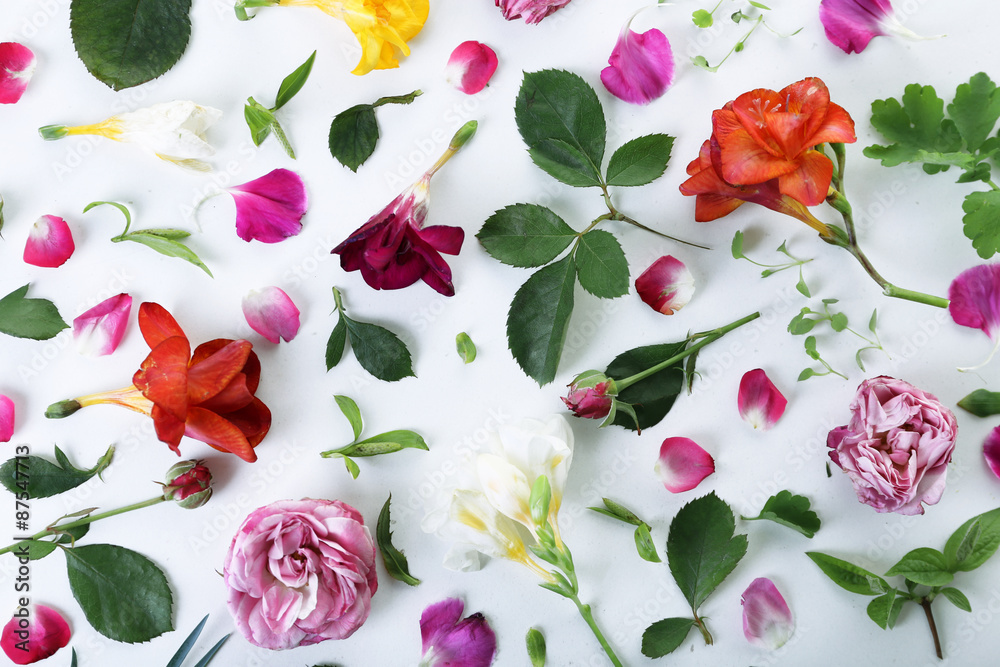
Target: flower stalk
{"points": [[925, 602]]}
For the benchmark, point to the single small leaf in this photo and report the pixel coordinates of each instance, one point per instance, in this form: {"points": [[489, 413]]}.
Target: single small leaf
{"points": [[525, 235], [601, 265], [259, 120], [383, 443], [806, 374], [838, 322], [925, 566], [293, 83], [72, 662], [702, 18], [46, 479], [880, 608], [352, 467], [759, 5], [123, 594], [640, 161], [336, 343], [566, 163], [981, 403], [975, 110], [465, 347], [957, 598], [791, 511], [974, 542], [167, 247], [395, 561], [644, 545], [37, 319], [665, 636], [353, 136], [651, 397], [810, 346], [848, 575], [737, 247], [800, 324], [873, 322], [175, 234], [379, 351], [982, 221], [802, 288], [535, 643], [352, 412], [38, 549]]}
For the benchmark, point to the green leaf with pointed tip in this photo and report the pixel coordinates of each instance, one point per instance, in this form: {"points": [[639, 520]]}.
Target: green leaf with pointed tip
{"points": [[982, 221], [178, 659], [525, 235], [38, 549], [352, 412], [806, 374], [640, 161], [292, 84], [880, 609], [352, 467], [791, 511], [957, 598], [981, 403], [565, 162], [383, 443], [353, 136], [975, 110], [46, 479], [644, 545], [539, 319], [165, 233], [802, 288], [974, 542], [336, 343], [37, 319], [617, 511], [535, 643], [924, 566], [379, 351], [873, 322], [395, 562], [665, 636], [652, 397], [849, 576], [601, 265], [166, 247]]}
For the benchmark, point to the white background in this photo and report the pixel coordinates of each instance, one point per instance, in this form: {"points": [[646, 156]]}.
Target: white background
{"points": [[910, 227]]}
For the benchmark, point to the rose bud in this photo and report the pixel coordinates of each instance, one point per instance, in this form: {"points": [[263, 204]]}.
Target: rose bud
{"points": [[189, 484], [590, 395]]}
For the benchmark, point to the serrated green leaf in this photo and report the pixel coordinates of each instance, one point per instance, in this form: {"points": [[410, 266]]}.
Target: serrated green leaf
{"points": [[601, 265], [166, 247], [916, 123], [702, 548], [652, 397], [880, 609], [665, 636], [644, 544], [737, 247], [957, 598], [123, 594], [378, 350], [395, 561], [924, 566], [37, 319], [535, 643], [702, 18], [46, 479], [981, 403], [791, 511], [969, 546], [975, 110], [353, 136], [127, 42], [565, 162], [352, 412], [848, 575], [539, 319], [292, 84], [982, 221], [525, 235], [640, 161], [465, 347], [336, 343]]}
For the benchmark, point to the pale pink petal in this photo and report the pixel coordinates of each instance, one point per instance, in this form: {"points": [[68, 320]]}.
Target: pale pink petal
{"points": [[683, 464], [760, 403], [666, 286], [99, 331], [46, 633], [991, 450], [451, 641], [471, 66], [6, 418], [851, 24], [641, 66], [270, 208], [17, 64], [50, 243], [271, 313], [767, 620]]}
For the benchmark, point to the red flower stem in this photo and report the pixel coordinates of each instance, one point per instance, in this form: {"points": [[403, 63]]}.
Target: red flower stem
{"points": [[926, 604]]}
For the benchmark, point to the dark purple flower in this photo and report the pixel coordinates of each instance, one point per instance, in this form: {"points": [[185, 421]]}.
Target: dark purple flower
{"points": [[452, 641]]}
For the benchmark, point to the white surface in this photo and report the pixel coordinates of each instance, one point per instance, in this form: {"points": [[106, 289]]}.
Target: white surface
{"points": [[911, 228]]}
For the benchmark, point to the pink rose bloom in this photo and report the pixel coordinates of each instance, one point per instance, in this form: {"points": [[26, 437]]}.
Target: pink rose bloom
{"points": [[300, 572], [896, 447], [532, 11]]}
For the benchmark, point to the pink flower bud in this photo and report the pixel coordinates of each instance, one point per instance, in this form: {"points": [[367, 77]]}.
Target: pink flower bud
{"points": [[50, 243], [471, 66], [99, 331], [6, 418], [590, 395], [666, 286], [189, 484], [17, 64], [759, 401], [271, 313], [34, 633], [683, 464]]}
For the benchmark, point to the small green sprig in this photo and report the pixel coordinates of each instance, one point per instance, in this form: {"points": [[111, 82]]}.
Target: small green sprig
{"points": [[384, 443], [704, 18], [378, 350], [807, 319], [643, 539], [789, 510], [771, 269], [262, 121], [354, 132], [534, 642]]}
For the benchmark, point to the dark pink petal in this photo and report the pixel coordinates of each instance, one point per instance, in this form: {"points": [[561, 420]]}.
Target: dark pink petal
{"points": [[271, 313], [50, 243], [270, 208], [760, 403], [666, 286], [975, 298], [991, 450], [641, 66], [851, 24], [471, 66], [99, 331], [683, 464], [35, 635], [532, 11], [17, 64], [767, 620], [6, 418], [451, 641]]}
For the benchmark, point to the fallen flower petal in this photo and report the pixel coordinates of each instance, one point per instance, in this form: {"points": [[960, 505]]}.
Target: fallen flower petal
{"points": [[17, 64], [50, 242], [851, 24], [666, 286], [532, 11], [683, 464], [767, 620], [991, 450], [271, 313], [99, 331], [641, 66], [471, 66], [452, 641], [47, 632], [760, 403], [974, 301], [6, 418], [270, 208]]}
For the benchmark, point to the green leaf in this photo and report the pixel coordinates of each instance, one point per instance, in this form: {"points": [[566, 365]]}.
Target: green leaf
{"points": [[737, 247], [37, 319], [974, 542], [123, 594], [806, 374], [665, 636], [535, 643], [957, 598], [211, 652], [553, 105], [982, 221], [981, 403], [759, 5], [352, 467], [127, 42], [873, 322], [702, 18], [38, 549], [565, 162], [336, 343], [914, 126], [802, 288], [800, 324], [168, 233], [616, 511], [293, 83], [525, 235], [46, 479], [849, 576], [701, 547], [644, 545], [640, 161], [880, 609], [379, 351], [353, 136], [259, 121], [178, 659], [352, 412], [167, 247], [601, 265], [72, 662], [384, 443], [652, 397], [465, 347], [925, 566], [791, 511], [838, 322], [975, 110], [539, 319], [395, 561]]}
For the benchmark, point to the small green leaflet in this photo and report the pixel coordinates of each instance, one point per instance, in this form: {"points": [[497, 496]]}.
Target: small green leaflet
{"points": [[45, 479], [981, 403], [262, 121], [702, 18], [465, 347], [395, 561], [601, 265], [884, 610], [849, 576], [525, 235], [957, 598], [21, 317], [924, 566], [38, 549], [378, 350], [791, 511], [127, 42], [974, 542], [982, 222], [665, 636], [640, 161], [178, 659], [354, 132], [538, 319], [643, 539], [352, 412], [535, 643]]}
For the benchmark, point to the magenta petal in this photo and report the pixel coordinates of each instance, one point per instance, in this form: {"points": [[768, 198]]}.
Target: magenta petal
{"points": [[99, 331], [6, 418], [271, 313], [975, 298], [991, 450], [851, 24], [45, 633], [767, 620], [760, 403], [50, 243], [443, 238], [641, 66], [532, 11], [683, 464], [17, 64], [471, 66], [666, 286], [451, 641], [270, 208]]}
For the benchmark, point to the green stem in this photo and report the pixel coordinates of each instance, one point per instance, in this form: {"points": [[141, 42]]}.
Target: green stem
{"points": [[708, 337], [588, 616], [704, 628], [926, 604], [992, 184], [624, 218]]}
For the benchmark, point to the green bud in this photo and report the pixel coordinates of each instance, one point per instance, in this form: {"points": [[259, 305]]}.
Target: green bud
{"points": [[62, 409], [53, 132]]}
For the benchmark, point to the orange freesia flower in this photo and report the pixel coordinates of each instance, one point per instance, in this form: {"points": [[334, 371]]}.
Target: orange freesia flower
{"points": [[207, 395]]}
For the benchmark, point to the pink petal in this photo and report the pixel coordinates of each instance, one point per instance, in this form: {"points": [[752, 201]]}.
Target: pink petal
{"points": [[99, 331], [471, 66], [34, 633], [451, 641], [270, 208], [17, 64], [666, 286], [271, 313], [6, 418], [683, 464], [641, 66], [851, 24], [50, 243], [760, 403], [991, 450], [533, 11], [975, 298], [767, 620]]}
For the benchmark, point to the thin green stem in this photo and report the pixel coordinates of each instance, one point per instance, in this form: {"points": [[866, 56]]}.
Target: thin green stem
{"points": [[624, 218], [992, 184], [588, 616], [700, 622]]}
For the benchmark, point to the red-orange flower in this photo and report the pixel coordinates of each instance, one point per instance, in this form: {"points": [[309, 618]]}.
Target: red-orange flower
{"points": [[207, 395]]}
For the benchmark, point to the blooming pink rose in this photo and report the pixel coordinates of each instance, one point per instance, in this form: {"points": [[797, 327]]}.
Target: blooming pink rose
{"points": [[300, 572], [897, 446]]}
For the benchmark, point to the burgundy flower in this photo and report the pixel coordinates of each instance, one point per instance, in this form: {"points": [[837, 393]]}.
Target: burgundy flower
{"points": [[452, 641], [590, 395]]}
